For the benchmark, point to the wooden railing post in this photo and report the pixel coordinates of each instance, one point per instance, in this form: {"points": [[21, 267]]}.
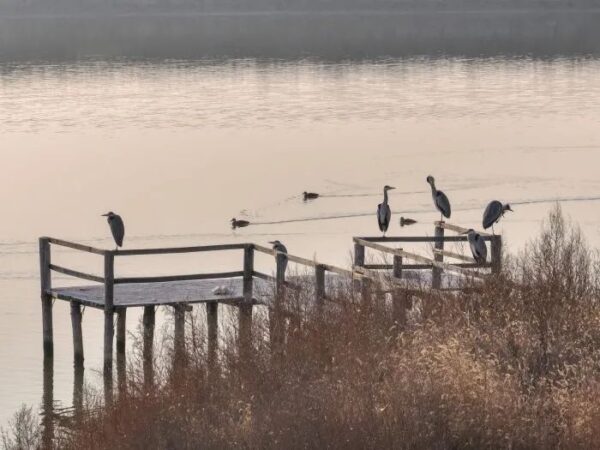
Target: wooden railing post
{"points": [[361, 286], [109, 279], [179, 337], [48, 404], [46, 285], [276, 320], [436, 272], [148, 321], [245, 308], [496, 250]]}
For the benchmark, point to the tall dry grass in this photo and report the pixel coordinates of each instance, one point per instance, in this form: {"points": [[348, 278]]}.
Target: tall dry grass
{"points": [[512, 363]]}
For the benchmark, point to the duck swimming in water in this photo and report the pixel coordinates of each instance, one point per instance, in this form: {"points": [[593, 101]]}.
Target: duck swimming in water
{"points": [[238, 223]]}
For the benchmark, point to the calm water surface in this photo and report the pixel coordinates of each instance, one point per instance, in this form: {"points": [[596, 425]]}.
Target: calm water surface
{"points": [[178, 148]]}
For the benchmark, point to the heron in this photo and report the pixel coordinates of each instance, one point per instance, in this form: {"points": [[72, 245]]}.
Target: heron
{"points": [[310, 195], [238, 223], [440, 200], [117, 228], [279, 247], [494, 211], [478, 246], [405, 221], [384, 213]]}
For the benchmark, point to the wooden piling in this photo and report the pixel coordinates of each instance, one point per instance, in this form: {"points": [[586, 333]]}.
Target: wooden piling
{"points": [[319, 286], [48, 403], [46, 285], [212, 322], [363, 286], [77, 334], [436, 272], [121, 344], [109, 274], [179, 336], [78, 377], [245, 308], [496, 250], [276, 319], [399, 296], [148, 322]]}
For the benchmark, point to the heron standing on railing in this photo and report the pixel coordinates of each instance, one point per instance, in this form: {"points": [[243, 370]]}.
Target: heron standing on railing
{"points": [[440, 200], [279, 247], [384, 213], [493, 213], [477, 244], [117, 228]]}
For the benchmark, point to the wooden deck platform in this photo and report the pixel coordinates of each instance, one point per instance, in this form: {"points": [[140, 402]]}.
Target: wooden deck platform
{"points": [[165, 293]]}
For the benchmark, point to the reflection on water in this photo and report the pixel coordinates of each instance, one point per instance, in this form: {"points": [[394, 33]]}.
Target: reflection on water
{"points": [[179, 147]]}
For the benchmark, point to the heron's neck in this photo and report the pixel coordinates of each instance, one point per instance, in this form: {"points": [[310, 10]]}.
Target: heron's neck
{"points": [[385, 196], [433, 189]]}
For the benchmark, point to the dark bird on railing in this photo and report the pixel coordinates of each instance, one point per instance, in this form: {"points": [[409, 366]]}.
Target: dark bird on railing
{"points": [[309, 195], [278, 246], [117, 228], [405, 221], [440, 200], [493, 213], [478, 246], [384, 213], [238, 223]]}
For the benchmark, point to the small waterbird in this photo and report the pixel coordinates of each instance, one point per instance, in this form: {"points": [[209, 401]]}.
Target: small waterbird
{"points": [[405, 221], [384, 213], [278, 246], [493, 213], [309, 195], [117, 228], [238, 223], [478, 246], [440, 200]]}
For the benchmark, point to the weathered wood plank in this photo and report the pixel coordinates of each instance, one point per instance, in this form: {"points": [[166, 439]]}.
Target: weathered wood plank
{"points": [[459, 229], [77, 334], [76, 246], [454, 255], [168, 278], [109, 268], [46, 298], [192, 249], [438, 256], [148, 322], [76, 274]]}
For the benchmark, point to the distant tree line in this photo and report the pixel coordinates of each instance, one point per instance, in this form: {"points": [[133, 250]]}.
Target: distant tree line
{"points": [[241, 6]]}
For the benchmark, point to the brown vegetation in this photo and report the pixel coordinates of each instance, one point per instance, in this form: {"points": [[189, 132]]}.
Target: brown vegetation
{"points": [[514, 363]]}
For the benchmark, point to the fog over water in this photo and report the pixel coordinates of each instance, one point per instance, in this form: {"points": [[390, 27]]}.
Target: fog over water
{"points": [[180, 123]]}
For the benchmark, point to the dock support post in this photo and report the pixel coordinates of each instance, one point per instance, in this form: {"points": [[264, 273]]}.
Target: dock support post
{"points": [[148, 321], [179, 337], [436, 272], [212, 322], [496, 250], [276, 320], [121, 343], [109, 279], [245, 308], [46, 285], [48, 404], [361, 285], [319, 286], [399, 296], [77, 334], [78, 373]]}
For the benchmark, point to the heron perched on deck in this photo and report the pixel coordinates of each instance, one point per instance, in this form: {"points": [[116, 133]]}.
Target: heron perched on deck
{"points": [[440, 200], [478, 246], [493, 213], [278, 246], [309, 195], [239, 223], [384, 213], [117, 228]]}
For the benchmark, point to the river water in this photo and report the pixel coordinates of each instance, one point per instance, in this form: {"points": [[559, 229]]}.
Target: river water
{"points": [[178, 148]]}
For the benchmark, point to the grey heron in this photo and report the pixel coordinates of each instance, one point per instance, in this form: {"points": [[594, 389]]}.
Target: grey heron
{"points": [[117, 228], [440, 200], [238, 223], [405, 221], [278, 246], [310, 195], [384, 213], [478, 246], [493, 213]]}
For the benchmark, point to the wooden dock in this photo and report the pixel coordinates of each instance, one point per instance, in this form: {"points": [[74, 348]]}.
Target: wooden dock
{"points": [[246, 288]]}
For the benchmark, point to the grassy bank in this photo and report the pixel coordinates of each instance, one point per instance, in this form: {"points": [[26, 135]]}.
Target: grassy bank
{"points": [[514, 363]]}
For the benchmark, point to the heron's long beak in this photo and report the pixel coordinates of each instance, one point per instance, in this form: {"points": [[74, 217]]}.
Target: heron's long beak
{"points": [[510, 209], [104, 215], [392, 187]]}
